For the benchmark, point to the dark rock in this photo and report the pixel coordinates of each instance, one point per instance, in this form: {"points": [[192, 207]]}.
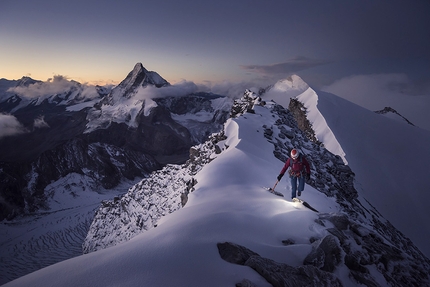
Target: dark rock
{"points": [[288, 242], [326, 254], [277, 274], [234, 253], [245, 283]]}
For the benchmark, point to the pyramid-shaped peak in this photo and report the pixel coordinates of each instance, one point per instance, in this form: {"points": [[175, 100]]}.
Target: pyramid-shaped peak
{"points": [[138, 68], [137, 78], [141, 76]]}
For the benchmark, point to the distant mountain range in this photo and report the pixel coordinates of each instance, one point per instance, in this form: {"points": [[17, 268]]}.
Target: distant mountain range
{"points": [[107, 135]]}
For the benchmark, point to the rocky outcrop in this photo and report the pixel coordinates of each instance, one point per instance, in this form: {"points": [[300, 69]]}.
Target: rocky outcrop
{"points": [[277, 274], [298, 111], [163, 192], [388, 110]]}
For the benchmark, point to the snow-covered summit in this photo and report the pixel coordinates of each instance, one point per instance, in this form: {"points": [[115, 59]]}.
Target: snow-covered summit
{"points": [[124, 103], [137, 78]]}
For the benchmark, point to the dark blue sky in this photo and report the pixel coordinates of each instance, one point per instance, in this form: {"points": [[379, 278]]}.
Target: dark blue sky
{"points": [[211, 41]]}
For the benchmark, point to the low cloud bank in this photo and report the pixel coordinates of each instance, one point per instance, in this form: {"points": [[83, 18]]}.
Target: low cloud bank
{"points": [[56, 85]]}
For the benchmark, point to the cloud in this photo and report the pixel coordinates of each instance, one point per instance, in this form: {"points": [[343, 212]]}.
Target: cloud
{"points": [[287, 68], [179, 89], [40, 123], [9, 126], [89, 92], [377, 91], [56, 85]]}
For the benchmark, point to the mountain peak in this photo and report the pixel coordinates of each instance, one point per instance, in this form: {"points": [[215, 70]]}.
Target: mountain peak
{"points": [[142, 76], [138, 77], [26, 81]]}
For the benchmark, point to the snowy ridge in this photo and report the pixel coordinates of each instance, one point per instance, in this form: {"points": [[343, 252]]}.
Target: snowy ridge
{"points": [[140, 209], [228, 215], [295, 87], [309, 98]]}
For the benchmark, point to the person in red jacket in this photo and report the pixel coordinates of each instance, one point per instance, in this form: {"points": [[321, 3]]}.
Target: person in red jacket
{"points": [[299, 170]]}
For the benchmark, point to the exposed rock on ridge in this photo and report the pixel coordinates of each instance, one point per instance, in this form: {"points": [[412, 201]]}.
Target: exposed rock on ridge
{"points": [[387, 110], [163, 192]]}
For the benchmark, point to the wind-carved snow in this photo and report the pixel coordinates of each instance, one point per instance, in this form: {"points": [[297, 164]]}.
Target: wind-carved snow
{"points": [[309, 98], [295, 87]]}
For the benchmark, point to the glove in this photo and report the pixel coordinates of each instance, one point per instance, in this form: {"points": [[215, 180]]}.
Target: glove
{"points": [[308, 176], [280, 176]]}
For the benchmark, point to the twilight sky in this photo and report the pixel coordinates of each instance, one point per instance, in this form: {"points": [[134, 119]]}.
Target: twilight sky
{"points": [[207, 42]]}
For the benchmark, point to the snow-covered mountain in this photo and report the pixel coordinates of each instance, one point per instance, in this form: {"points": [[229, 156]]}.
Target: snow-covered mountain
{"points": [[105, 135], [210, 221]]}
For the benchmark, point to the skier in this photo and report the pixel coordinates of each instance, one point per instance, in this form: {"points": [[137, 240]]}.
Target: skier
{"points": [[298, 169]]}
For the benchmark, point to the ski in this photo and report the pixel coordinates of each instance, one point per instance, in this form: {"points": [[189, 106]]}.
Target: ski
{"points": [[295, 199]]}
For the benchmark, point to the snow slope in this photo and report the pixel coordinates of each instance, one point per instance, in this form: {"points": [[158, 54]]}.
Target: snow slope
{"points": [[295, 87], [391, 160], [229, 204]]}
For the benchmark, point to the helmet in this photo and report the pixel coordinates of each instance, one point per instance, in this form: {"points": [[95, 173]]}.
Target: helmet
{"points": [[294, 153]]}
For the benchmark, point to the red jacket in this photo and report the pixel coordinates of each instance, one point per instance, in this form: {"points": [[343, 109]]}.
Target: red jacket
{"points": [[297, 165]]}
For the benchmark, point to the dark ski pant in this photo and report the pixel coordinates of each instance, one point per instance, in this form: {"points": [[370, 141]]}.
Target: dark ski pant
{"points": [[297, 184]]}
